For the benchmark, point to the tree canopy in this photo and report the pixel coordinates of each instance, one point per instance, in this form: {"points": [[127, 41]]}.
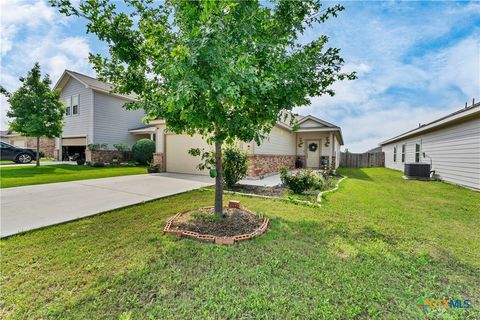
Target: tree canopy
{"points": [[225, 69], [35, 110]]}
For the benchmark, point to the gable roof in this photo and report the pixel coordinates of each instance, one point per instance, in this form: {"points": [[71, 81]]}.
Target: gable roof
{"points": [[315, 119], [89, 82], [458, 116]]}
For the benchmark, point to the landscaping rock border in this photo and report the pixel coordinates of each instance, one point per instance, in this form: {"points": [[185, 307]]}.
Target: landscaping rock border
{"points": [[214, 239], [302, 202], [320, 194]]}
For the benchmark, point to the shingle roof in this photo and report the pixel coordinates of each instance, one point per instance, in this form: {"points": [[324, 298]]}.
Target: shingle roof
{"points": [[93, 83], [475, 108]]}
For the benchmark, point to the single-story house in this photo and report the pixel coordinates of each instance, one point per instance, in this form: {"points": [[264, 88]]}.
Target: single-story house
{"points": [[4, 136], [315, 142], [451, 144], [47, 145], [94, 115]]}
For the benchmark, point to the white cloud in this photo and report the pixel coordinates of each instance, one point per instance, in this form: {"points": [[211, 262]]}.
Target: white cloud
{"points": [[18, 15], [413, 66], [31, 32]]}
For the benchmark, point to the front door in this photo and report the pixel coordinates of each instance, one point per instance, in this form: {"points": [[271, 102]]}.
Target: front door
{"points": [[313, 154]]}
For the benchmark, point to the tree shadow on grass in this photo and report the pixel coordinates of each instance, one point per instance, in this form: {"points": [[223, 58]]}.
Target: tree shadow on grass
{"points": [[358, 174], [295, 266]]}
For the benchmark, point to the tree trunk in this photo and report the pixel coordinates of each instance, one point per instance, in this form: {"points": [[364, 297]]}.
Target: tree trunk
{"points": [[218, 180], [38, 151]]}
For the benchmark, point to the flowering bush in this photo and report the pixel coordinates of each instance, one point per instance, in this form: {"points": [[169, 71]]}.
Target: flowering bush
{"points": [[301, 180]]}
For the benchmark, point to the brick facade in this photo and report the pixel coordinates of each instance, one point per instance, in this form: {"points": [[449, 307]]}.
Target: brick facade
{"points": [[47, 145], [105, 156], [263, 164], [158, 159]]}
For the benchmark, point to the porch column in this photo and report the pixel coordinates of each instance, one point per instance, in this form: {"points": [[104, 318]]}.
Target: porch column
{"points": [[58, 147], [159, 156], [330, 158], [159, 143]]}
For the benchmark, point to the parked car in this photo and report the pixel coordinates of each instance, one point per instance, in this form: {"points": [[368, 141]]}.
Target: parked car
{"points": [[16, 154]]}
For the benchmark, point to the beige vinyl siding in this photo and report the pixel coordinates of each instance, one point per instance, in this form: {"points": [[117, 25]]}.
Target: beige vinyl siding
{"points": [[310, 123], [112, 121], [279, 142], [455, 153], [79, 124]]}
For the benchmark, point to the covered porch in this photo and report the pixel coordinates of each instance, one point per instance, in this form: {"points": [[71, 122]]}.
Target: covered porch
{"points": [[318, 143]]}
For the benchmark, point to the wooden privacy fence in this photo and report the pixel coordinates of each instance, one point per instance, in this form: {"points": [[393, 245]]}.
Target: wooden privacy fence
{"points": [[362, 160]]}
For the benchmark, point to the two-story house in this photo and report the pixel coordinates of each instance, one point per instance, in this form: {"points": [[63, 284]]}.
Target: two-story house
{"points": [[93, 115]]}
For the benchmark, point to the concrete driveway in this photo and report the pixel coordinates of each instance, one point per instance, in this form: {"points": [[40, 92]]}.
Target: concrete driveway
{"points": [[32, 207]]}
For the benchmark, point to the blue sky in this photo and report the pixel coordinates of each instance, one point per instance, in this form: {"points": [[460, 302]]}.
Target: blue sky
{"points": [[416, 61]]}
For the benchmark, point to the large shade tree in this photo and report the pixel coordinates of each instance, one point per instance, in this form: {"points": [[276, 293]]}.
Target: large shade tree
{"points": [[224, 69], [35, 110]]}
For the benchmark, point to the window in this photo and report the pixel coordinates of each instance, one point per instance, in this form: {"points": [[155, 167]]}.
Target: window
{"points": [[68, 106], [75, 104], [404, 146], [395, 154], [417, 152]]}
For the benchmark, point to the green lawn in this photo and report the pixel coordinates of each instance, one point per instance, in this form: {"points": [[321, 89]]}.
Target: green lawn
{"points": [[28, 175], [376, 246], [11, 162]]}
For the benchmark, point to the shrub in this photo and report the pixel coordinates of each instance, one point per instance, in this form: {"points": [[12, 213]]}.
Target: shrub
{"points": [[98, 164], [142, 151], [97, 146], [300, 180], [235, 165], [121, 146], [41, 154]]}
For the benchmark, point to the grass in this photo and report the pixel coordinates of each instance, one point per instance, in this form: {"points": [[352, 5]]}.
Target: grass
{"points": [[29, 175], [11, 162], [376, 246]]}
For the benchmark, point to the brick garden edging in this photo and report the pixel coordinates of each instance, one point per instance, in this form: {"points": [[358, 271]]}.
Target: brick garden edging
{"points": [[214, 239]]}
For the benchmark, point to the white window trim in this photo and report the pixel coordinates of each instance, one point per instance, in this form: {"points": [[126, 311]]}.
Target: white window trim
{"points": [[419, 151], [66, 106], [78, 104], [404, 152]]}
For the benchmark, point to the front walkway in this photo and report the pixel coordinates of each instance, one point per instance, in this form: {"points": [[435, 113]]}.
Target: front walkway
{"points": [[32, 207], [270, 181]]}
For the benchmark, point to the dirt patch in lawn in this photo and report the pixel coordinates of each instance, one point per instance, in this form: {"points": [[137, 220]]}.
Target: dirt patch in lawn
{"points": [[203, 221]]}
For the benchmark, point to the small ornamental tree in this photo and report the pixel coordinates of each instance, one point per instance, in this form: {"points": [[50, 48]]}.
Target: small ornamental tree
{"points": [[223, 69], [35, 110]]}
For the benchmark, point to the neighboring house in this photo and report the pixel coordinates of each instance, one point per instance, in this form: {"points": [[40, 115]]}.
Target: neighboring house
{"points": [[451, 144], [315, 143], [93, 115], [47, 146], [4, 136]]}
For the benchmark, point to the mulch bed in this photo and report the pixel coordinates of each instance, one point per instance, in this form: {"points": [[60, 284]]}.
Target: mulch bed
{"points": [[276, 191], [235, 222]]}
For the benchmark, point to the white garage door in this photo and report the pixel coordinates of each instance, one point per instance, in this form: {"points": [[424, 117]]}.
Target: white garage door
{"points": [[178, 159], [80, 141]]}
